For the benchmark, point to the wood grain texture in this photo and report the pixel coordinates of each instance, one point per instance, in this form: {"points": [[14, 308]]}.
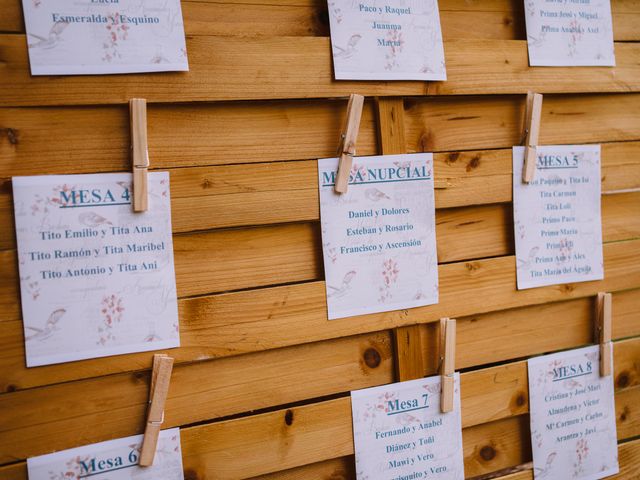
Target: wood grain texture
{"points": [[487, 447], [490, 122], [245, 68], [282, 192], [503, 19], [226, 260], [342, 468], [96, 139], [221, 68], [248, 251], [116, 405], [310, 18], [263, 319], [410, 347]]}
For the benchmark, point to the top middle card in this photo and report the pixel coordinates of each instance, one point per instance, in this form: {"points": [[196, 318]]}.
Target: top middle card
{"points": [[386, 40]]}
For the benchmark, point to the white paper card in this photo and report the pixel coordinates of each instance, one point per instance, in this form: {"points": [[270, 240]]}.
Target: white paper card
{"points": [[386, 40], [557, 216], [399, 432], [573, 419], [569, 33], [111, 460], [378, 238], [104, 36], [96, 279]]}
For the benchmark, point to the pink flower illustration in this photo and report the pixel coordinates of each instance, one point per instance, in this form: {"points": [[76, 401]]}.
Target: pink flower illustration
{"points": [[33, 287], [566, 247], [41, 206], [336, 13], [582, 452], [111, 310], [396, 42], [576, 36], [390, 273], [73, 469], [116, 32]]}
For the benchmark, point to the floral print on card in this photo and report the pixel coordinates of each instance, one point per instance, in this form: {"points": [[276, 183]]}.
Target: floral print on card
{"points": [[573, 420], [378, 238], [113, 460], [556, 216], [100, 37], [386, 40], [399, 432], [96, 279], [574, 33]]}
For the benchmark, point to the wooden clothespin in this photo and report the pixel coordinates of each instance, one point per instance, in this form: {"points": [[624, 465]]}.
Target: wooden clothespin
{"points": [[140, 153], [533, 113], [603, 332], [160, 378], [447, 362], [347, 144]]}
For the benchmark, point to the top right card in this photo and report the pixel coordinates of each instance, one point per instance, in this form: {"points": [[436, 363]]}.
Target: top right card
{"points": [[569, 33]]}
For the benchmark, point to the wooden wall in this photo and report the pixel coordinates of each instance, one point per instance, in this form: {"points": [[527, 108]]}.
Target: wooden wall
{"points": [[262, 379]]}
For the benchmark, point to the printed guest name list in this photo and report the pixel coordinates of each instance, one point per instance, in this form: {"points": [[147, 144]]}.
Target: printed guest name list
{"points": [[557, 216], [104, 36], [96, 279], [400, 434], [569, 32], [379, 237], [390, 40], [573, 426]]}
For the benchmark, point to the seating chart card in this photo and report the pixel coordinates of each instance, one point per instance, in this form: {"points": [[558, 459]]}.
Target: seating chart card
{"points": [[112, 460], [104, 36], [569, 33], [378, 238], [557, 216], [573, 418], [386, 40], [96, 279], [400, 433]]}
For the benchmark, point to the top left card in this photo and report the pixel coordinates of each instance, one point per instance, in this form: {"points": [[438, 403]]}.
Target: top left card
{"points": [[96, 279], [104, 36]]}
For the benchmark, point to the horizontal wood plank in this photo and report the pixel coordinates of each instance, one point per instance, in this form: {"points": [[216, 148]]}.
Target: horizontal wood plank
{"points": [[247, 244], [502, 19], [96, 139], [487, 447], [343, 468], [494, 394], [254, 320], [226, 260], [245, 68], [484, 338], [282, 192], [221, 68], [491, 122], [502, 66], [115, 405]]}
